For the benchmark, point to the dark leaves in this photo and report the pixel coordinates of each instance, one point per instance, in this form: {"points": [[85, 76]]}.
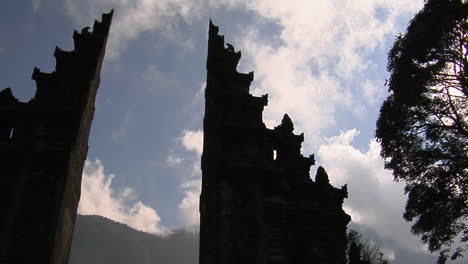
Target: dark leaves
{"points": [[361, 251], [423, 124]]}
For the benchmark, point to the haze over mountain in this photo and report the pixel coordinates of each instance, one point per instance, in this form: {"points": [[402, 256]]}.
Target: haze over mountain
{"points": [[100, 240]]}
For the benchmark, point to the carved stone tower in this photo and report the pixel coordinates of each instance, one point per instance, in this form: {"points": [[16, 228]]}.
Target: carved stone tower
{"points": [[258, 203], [43, 146]]}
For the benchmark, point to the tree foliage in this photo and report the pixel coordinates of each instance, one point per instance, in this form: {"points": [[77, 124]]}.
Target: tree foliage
{"points": [[361, 251], [423, 124]]}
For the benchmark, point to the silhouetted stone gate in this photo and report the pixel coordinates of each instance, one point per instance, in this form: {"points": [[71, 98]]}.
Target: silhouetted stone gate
{"points": [[255, 207], [43, 146]]}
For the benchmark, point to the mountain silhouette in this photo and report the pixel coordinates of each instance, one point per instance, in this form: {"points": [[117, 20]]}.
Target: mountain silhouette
{"points": [[100, 240]]}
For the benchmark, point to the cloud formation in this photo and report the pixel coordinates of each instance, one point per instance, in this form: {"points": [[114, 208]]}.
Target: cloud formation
{"points": [[134, 18], [325, 47], [192, 143], [189, 206], [98, 198], [374, 199]]}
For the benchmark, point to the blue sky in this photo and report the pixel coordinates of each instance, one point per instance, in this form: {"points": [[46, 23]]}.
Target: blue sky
{"points": [[322, 62]]}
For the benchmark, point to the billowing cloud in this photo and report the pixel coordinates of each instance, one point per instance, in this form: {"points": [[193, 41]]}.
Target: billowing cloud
{"points": [[98, 198], [134, 18], [192, 144], [388, 253], [325, 47], [374, 199], [188, 207], [193, 140]]}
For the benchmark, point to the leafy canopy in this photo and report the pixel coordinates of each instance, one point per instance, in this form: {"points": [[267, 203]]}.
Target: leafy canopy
{"points": [[361, 251], [423, 124]]}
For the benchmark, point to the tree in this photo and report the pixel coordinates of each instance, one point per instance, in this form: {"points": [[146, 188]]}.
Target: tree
{"points": [[362, 251], [423, 124]]}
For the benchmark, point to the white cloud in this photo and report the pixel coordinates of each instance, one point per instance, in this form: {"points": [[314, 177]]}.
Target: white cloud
{"points": [[324, 46], [374, 199], [188, 207], [133, 18], [355, 216], [193, 140], [388, 253], [98, 198]]}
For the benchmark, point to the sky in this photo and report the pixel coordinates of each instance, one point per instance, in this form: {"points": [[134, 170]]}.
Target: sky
{"points": [[323, 62]]}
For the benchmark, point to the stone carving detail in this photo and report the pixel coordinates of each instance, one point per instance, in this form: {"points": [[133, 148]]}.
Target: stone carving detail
{"points": [[43, 146], [256, 207]]}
